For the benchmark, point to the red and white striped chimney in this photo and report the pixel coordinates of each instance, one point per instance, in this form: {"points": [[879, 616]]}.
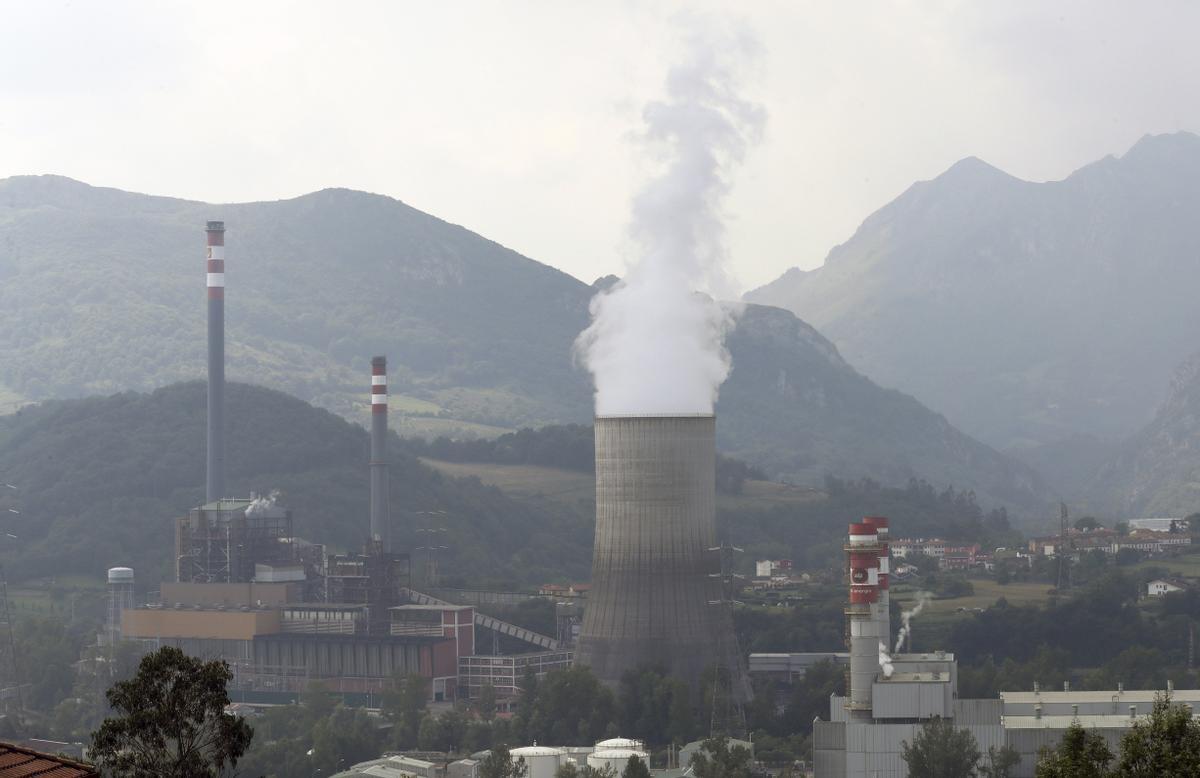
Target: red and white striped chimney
{"points": [[215, 270], [380, 510], [883, 607], [862, 551]]}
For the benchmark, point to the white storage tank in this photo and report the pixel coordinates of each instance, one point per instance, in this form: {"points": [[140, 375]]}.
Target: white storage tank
{"points": [[620, 742], [615, 758], [542, 761]]}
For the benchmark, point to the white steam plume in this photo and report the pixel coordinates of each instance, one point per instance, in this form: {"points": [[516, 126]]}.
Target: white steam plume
{"points": [[906, 618], [655, 341], [885, 660]]}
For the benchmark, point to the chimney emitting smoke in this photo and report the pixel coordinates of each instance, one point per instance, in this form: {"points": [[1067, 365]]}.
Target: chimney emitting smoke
{"points": [[380, 510], [215, 481]]}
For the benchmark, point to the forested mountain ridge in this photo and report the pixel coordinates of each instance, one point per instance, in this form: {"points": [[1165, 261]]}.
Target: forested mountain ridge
{"points": [[101, 290], [100, 480], [1026, 312]]}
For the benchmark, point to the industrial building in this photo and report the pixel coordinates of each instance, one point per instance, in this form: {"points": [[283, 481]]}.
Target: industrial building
{"points": [[283, 612], [891, 695], [657, 597]]}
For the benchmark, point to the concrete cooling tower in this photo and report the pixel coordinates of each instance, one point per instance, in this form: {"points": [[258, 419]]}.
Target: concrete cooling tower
{"points": [[655, 600]]}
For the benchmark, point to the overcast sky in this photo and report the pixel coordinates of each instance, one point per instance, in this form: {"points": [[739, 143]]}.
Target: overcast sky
{"points": [[514, 118]]}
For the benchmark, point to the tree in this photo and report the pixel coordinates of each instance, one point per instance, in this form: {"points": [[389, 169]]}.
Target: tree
{"points": [[1000, 762], [404, 706], [487, 702], [635, 768], [1167, 745], [572, 770], [1080, 754], [941, 751], [499, 764], [172, 721], [716, 759], [1087, 524]]}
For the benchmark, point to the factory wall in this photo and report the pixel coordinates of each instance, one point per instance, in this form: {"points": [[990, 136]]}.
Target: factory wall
{"points": [[232, 595], [345, 655], [148, 623]]}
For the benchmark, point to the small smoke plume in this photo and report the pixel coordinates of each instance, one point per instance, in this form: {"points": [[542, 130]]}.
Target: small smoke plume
{"points": [[655, 344], [885, 660], [906, 618]]}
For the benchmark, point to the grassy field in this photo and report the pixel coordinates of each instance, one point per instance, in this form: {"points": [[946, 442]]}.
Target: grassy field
{"points": [[1184, 564], [986, 594], [524, 480], [572, 485], [435, 426]]}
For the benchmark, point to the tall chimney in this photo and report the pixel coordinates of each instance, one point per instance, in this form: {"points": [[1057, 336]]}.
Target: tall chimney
{"points": [[655, 598], [884, 606], [381, 529], [862, 551], [215, 483]]}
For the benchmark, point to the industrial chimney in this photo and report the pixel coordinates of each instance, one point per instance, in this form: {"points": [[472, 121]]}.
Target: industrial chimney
{"points": [[655, 597], [215, 483], [862, 551], [883, 613], [381, 525]]}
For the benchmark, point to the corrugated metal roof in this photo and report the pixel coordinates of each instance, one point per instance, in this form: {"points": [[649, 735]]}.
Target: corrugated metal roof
{"points": [[1135, 696], [1063, 722], [23, 763]]}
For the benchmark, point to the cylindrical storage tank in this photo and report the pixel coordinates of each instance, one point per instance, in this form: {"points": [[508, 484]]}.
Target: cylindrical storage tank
{"points": [[120, 598], [540, 761], [620, 742], [615, 758], [654, 600]]}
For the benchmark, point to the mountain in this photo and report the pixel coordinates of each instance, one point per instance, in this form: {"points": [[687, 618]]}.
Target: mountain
{"points": [[1157, 471], [101, 290], [1026, 312], [100, 480]]}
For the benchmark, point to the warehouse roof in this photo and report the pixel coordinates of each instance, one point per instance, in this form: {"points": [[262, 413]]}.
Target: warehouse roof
{"points": [[1063, 722], [1135, 696], [25, 763]]}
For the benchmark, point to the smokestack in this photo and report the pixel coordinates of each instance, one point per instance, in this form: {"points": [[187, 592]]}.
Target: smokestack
{"points": [[215, 483], [862, 549], [381, 525], [654, 599], [883, 609]]}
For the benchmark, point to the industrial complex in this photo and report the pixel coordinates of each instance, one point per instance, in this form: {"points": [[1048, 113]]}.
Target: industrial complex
{"points": [[284, 612], [890, 695]]}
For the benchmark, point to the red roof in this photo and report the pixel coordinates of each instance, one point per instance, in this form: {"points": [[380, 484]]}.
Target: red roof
{"points": [[23, 763]]}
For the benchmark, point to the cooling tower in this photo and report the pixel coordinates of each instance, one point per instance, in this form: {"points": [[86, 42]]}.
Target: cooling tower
{"points": [[654, 599]]}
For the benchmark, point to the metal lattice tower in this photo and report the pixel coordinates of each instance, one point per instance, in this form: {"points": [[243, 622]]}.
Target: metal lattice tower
{"points": [[729, 680]]}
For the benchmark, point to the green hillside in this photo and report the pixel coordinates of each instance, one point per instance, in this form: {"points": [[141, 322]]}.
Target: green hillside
{"points": [[101, 479], [102, 291]]}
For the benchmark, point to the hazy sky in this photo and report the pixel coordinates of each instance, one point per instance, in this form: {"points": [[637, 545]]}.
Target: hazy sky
{"points": [[514, 118]]}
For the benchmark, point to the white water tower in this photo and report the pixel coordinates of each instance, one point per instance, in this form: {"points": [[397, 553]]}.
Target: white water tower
{"points": [[120, 597]]}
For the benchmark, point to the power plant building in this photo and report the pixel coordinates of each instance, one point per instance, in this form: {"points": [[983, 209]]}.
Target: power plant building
{"points": [[282, 611], [891, 696]]}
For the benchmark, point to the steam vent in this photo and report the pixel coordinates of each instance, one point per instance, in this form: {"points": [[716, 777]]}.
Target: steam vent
{"points": [[653, 600]]}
